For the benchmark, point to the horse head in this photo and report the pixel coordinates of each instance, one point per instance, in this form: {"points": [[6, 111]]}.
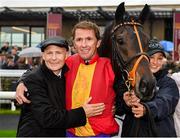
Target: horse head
{"points": [[128, 51]]}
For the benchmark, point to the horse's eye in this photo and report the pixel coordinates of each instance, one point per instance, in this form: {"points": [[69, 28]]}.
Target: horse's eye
{"points": [[120, 40]]}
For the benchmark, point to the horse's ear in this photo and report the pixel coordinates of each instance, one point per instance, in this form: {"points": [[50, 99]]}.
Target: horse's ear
{"points": [[144, 14], [119, 13]]}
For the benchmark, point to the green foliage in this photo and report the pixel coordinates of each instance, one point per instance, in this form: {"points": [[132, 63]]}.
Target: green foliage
{"points": [[7, 133], [8, 83]]}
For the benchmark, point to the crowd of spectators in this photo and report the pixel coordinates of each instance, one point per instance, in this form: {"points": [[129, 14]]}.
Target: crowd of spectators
{"points": [[9, 58]]}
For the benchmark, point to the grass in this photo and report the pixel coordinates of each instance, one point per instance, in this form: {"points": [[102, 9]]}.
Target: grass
{"points": [[7, 133], [9, 112]]}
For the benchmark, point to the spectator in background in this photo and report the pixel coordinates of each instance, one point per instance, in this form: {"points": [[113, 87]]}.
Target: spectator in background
{"points": [[36, 61], [2, 59], [176, 77], [5, 49], [14, 54], [9, 63], [21, 63], [29, 61]]}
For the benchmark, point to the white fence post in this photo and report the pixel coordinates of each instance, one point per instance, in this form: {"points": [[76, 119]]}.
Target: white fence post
{"points": [[13, 107]]}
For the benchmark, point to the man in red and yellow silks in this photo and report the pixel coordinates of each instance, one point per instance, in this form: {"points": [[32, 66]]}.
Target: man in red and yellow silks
{"points": [[90, 76]]}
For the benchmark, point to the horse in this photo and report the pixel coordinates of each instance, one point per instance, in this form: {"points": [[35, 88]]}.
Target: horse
{"points": [[125, 43]]}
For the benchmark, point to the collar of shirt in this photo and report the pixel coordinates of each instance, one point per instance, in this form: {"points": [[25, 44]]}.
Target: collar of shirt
{"points": [[60, 72], [94, 59]]}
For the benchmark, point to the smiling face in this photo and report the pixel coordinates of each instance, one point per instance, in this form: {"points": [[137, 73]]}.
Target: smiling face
{"points": [[86, 43], [54, 57], [157, 61]]}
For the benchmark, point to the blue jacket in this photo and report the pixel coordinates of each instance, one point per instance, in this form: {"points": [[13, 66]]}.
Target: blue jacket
{"points": [[162, 107]]}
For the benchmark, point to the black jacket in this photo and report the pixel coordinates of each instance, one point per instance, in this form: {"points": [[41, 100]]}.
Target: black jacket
{"points": [[162, 107], [47, 115]]}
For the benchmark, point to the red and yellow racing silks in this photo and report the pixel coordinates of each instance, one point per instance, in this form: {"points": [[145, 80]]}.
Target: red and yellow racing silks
{"points": [[94, 80]]}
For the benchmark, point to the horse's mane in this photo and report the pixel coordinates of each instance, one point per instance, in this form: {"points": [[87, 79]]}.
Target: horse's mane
{"points": [[105, 49]]}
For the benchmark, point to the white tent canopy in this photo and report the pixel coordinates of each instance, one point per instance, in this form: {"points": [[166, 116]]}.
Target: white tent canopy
{"points": [[82, 3]]}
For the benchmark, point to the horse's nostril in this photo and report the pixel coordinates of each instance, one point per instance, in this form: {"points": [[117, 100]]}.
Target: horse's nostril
{"points": [[143, 86]]}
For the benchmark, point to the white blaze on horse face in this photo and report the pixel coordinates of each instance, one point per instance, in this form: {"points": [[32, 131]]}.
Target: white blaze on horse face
{"points": [[86, 43], [156, 62]]}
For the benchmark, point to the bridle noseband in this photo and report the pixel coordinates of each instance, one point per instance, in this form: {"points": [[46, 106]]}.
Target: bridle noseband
{"points": [[130, 77]]}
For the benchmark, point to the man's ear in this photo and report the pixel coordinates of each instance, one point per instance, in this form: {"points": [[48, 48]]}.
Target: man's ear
{"points": [[68, 54], [73, 44], [42, 56], [98, 43]]}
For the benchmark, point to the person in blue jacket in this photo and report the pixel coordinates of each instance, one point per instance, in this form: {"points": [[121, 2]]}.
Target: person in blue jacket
{"points": [[154, 117]]}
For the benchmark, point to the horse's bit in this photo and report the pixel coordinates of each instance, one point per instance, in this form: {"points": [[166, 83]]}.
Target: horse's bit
{"points": [[130, 80]]}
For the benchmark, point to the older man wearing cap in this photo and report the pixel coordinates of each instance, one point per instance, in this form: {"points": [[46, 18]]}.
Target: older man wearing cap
{"points": [[46, 114]]}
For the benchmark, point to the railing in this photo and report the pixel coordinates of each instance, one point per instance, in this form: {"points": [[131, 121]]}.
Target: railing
{"points": [[11, 73], [8, 96]]}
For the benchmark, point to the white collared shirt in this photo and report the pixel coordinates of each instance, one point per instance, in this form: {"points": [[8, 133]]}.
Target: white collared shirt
{"points": [[59, 74]]}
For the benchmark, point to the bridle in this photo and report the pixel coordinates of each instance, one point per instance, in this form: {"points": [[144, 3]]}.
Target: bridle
{"points": [[129, 77]]}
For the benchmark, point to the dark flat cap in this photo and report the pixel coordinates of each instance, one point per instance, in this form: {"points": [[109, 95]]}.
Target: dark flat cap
{"points": [[58, 41]]}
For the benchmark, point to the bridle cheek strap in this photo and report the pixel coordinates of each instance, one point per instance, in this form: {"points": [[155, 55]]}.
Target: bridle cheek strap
{"points": [[132, 73], [138, 38]]}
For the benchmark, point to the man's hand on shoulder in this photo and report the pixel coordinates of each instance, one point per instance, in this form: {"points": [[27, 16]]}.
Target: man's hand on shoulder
{"points": [[20, 94]]}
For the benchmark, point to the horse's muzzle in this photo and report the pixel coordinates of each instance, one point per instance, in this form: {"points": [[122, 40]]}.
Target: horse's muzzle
{"points": [[146, 89]]}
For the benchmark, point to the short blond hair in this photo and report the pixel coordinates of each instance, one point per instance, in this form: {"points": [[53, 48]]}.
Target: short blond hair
{"points": [[87, 25]]}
